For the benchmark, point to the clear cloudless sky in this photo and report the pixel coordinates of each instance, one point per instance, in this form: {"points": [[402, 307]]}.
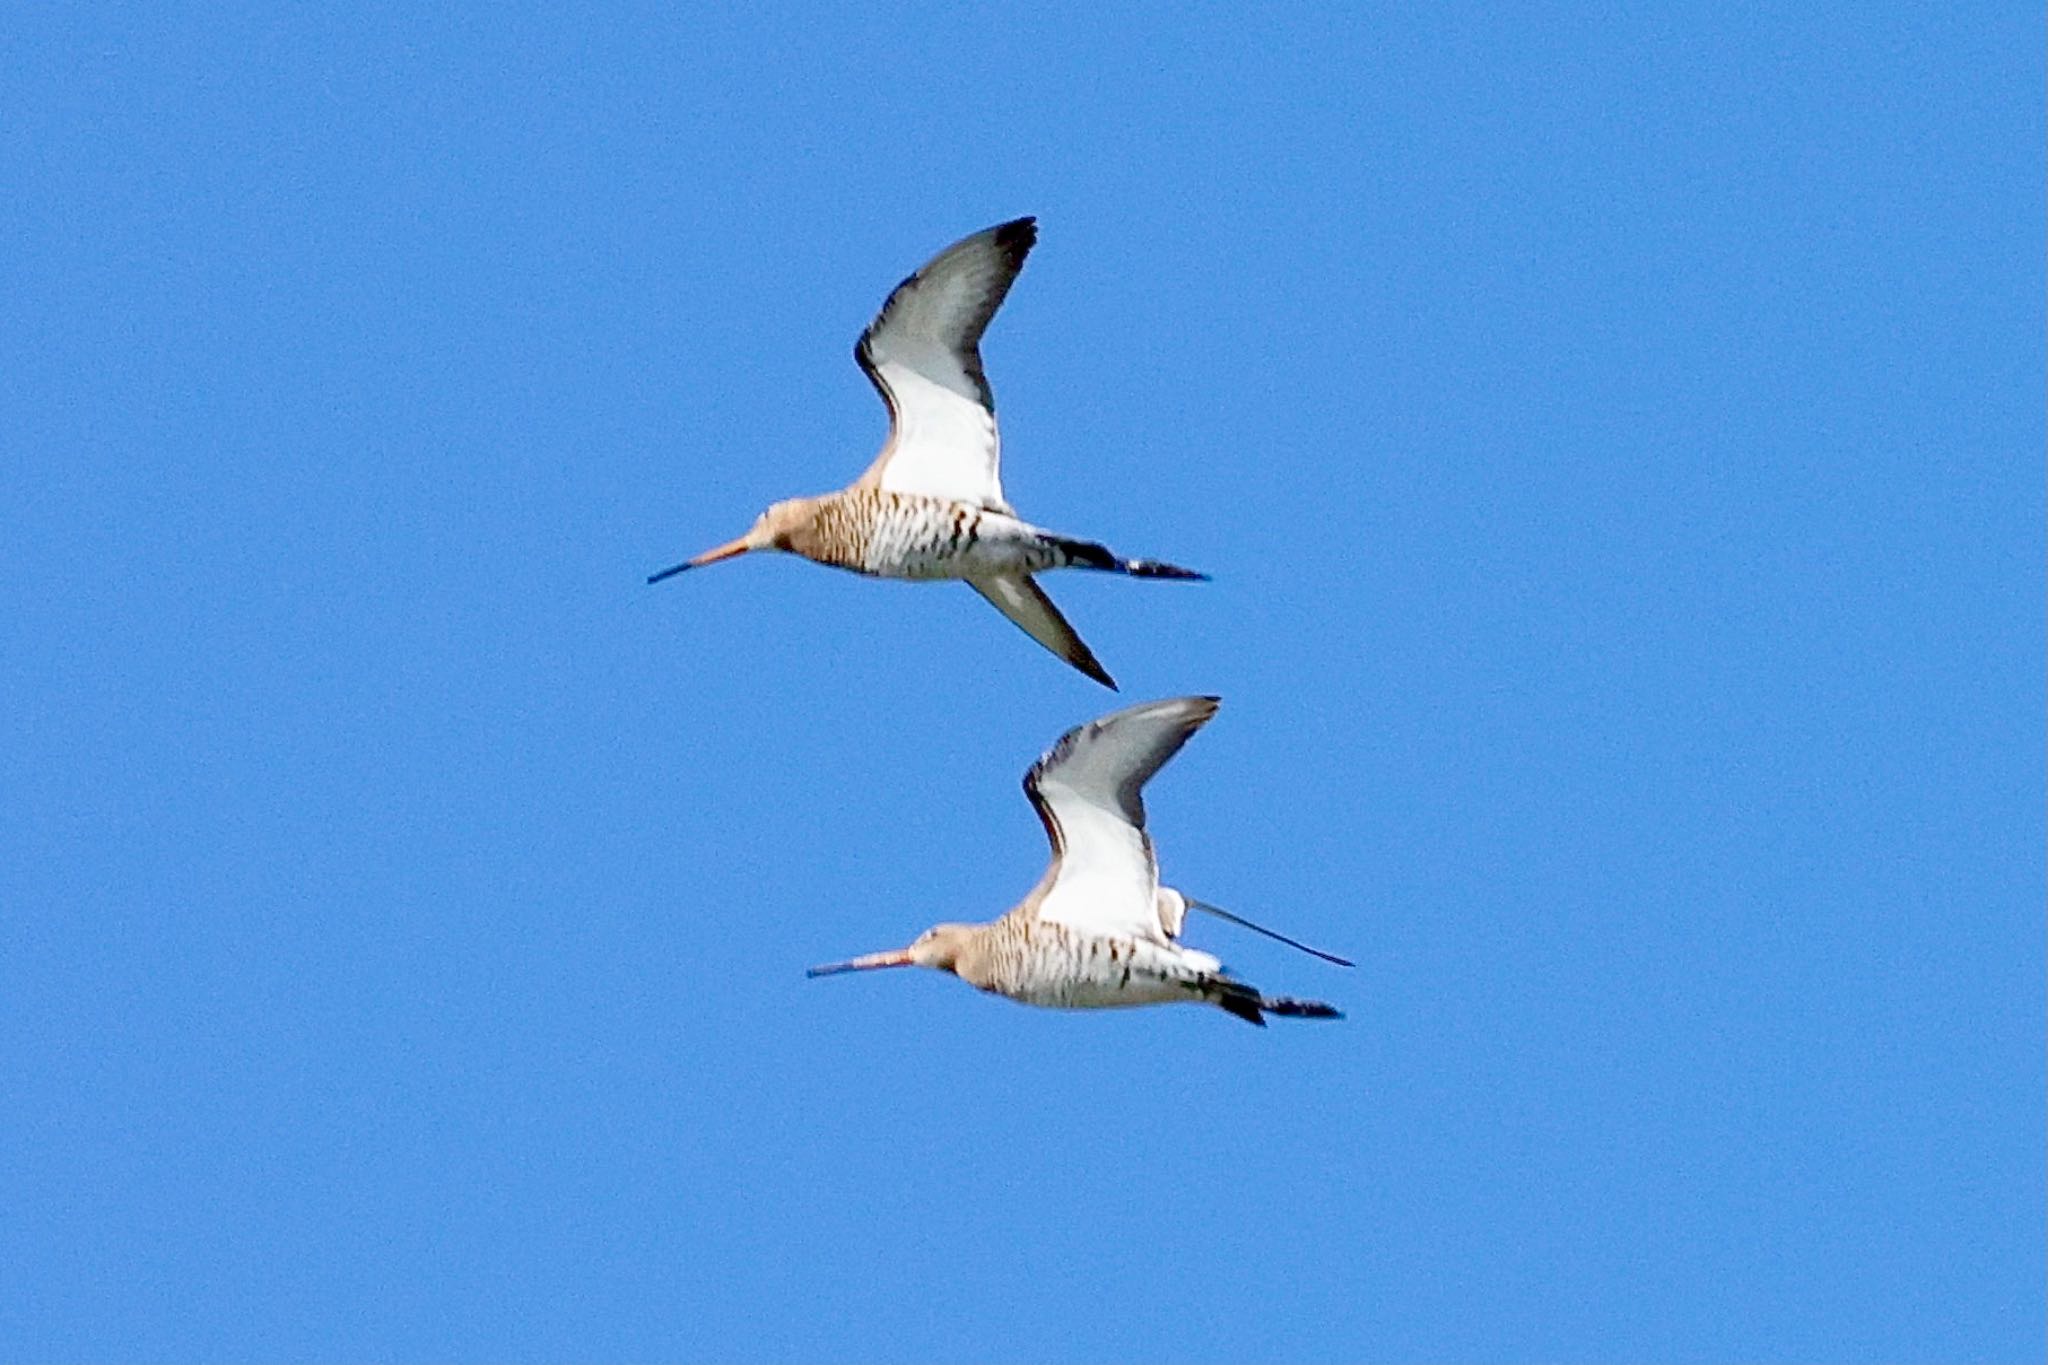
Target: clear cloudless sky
{"points": [[1617, 439]]}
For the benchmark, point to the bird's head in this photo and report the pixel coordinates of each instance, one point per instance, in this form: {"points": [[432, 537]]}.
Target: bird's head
{"points": [[940, 947], [778, 528]]}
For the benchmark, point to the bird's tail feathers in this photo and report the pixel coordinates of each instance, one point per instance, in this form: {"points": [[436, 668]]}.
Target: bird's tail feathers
{"points": [[1288, 1007], [1086, 554], [1244, 1001]]}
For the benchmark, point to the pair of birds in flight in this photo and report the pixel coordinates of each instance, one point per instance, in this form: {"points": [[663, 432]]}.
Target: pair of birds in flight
{"points": [[1098, 930]]}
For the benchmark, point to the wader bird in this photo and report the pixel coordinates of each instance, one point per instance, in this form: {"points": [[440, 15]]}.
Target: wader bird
{"points": [[931, 505], [1099, 931]]}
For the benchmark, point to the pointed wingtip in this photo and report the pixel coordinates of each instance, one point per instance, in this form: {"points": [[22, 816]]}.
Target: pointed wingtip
{"points": [[1020, 599], [1015, 239], [1018, 232], [1084, 661]]}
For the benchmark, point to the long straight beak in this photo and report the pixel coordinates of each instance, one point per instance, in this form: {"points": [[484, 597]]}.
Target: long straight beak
{"points": [[897, 957], [725, 551]]}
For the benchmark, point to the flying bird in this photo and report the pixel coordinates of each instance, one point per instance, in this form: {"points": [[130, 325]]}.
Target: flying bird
{"points": [[931, 506], [1099, 931]]}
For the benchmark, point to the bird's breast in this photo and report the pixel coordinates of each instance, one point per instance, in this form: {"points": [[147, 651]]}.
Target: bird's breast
{"points": [[898, 535]]}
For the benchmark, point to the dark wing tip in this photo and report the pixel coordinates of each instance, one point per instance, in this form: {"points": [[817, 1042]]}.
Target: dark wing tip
{"points": [[1017, 236], [1083, 659], [1012, 242], [1200, 711]]}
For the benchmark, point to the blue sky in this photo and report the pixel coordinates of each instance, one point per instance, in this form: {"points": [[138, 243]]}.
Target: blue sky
{"points": [[1617, 441]]}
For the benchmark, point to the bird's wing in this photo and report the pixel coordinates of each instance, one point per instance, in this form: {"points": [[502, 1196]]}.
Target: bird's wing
{"points": [[1019, 597], [1104, 878], [923, 354]]}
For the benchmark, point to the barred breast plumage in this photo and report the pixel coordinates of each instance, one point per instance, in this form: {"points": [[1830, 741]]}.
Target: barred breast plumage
{"points": [[906, 535], [1048, 964]]}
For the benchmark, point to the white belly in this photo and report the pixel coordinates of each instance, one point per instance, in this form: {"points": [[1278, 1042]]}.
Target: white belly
{"points": [[927, 539], [1109, 974], [1097, 995]]}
